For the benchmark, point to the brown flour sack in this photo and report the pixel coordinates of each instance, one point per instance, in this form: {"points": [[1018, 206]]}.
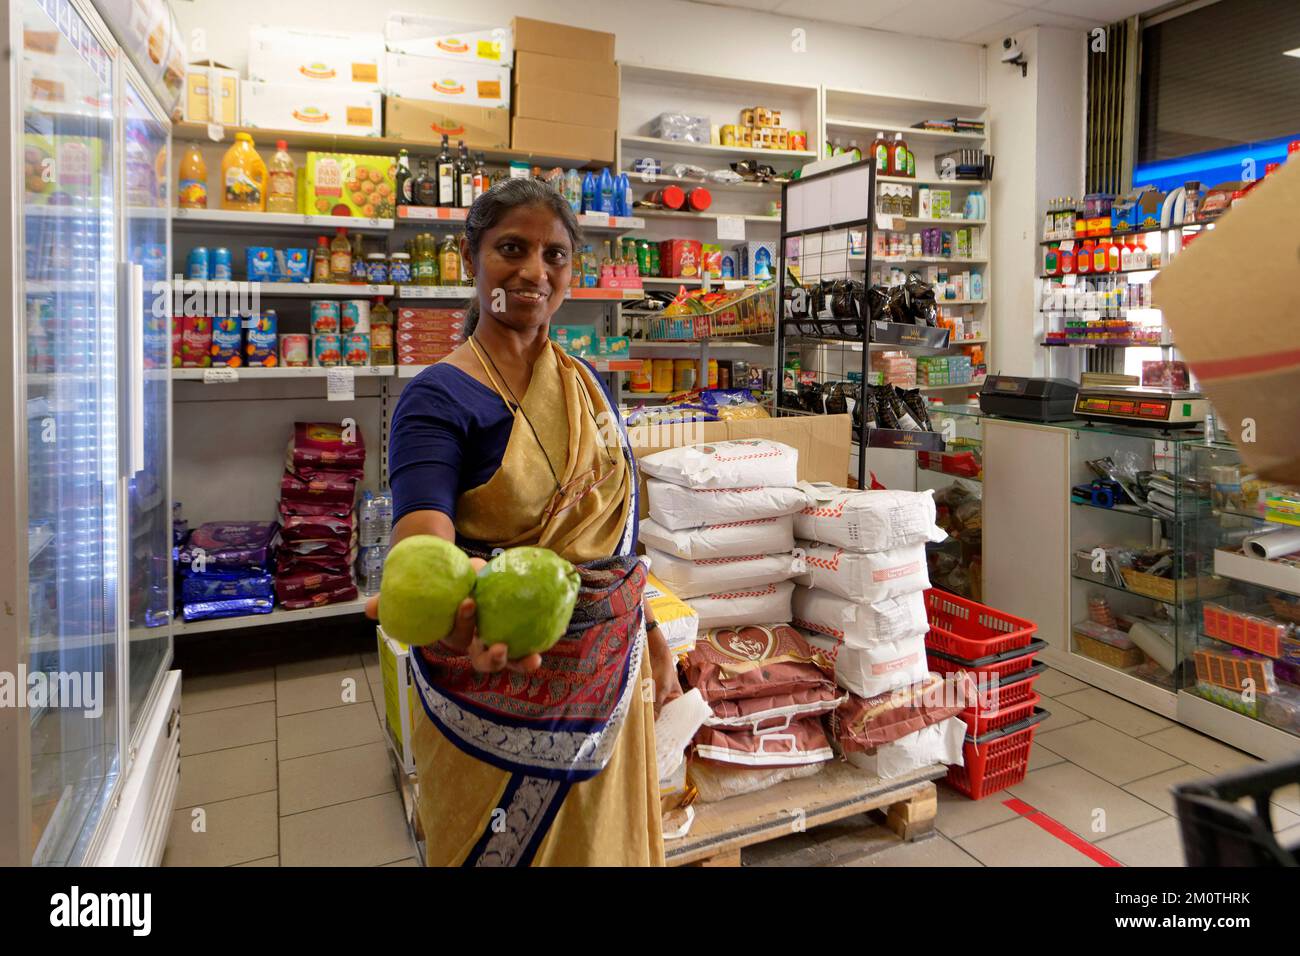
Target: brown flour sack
{"points": [[869, 520], [674, 507], [718, 781], [861, 723], [761, 715], [755, 661]]}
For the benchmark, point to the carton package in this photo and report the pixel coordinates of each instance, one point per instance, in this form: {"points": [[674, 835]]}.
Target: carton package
{"points": [[209, 84], [565, 72], [465, 83], [345, 60], [562, 139], [448, 39], [755, 260], [400, 699], [541, 36], [346, 184], [420, 121], [1248, 368], [535, 101], [311, 109]]}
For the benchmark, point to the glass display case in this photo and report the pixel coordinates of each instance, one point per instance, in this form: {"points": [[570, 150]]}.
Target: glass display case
{"points": [[1245, 652], [956, 476]]}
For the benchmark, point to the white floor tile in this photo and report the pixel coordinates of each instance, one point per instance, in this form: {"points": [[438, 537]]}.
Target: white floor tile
{"points": [[1105, 751], [1114, 712], [1020, 843], [1083, 802], [1153, 844]]}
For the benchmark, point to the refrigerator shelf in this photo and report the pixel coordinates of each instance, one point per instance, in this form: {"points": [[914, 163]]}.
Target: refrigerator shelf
{"points": [[278, 616]]}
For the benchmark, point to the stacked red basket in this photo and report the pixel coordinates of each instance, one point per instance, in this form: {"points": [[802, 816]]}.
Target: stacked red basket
{"points": [[998, 650]]}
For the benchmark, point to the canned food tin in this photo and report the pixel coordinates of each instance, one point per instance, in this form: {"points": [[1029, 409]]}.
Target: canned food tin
{"points": [[354, 316], [197, 264], [327, 349], [222, 271], [356, 349], [324, 315], [295, 350]]}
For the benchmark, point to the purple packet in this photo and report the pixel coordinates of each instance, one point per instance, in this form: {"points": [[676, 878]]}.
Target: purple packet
{"points": [[232, 544], [233, 607]]}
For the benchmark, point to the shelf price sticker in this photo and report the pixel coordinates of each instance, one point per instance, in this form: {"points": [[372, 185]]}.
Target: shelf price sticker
{"points": [[885, 221], [220, 376], [340, 384], [731, 227], [597, 219]]}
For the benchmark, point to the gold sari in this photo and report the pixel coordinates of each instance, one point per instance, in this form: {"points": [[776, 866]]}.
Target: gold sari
{"points": [[495, 787]]}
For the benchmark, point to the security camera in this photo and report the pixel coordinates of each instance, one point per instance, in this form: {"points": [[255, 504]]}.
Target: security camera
{"points": [[1013, 55]]}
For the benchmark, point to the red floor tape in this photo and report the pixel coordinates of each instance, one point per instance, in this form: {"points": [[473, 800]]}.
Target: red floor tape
{"points": [[1061, 832]]}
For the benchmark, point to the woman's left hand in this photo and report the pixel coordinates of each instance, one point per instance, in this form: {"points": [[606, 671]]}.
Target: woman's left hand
{"points": [[663, 670]]}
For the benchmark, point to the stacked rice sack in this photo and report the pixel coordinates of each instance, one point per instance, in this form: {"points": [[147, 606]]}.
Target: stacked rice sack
{"points": [[720, 535], [324, 465], [861, 602]]}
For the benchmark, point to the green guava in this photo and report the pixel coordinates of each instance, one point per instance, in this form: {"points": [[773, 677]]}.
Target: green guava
{"points": [[525, 597], [425, 580]]}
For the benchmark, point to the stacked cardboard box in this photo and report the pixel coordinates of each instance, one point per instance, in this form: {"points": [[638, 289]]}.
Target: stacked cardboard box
{"points": [[565, 91], [445, 78], [312, 81]]}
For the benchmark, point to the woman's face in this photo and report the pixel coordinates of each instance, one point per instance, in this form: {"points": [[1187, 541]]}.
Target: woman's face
{"points": [[523, 267]]}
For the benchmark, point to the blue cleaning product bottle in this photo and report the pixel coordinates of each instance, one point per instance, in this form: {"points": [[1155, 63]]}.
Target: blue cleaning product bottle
{"points": [[606, 190], [589, 197], [621, 189]]}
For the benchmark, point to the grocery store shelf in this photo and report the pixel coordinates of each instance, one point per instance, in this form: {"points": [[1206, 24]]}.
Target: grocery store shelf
{"points": [[37, 539], [1102, 275], [706, 216], [662, 280], [1258, 571], [278, 616], [256, 373], [961, 301], [1106, 343], [950, 221], [742, 152], [955, 342], [977, 383], [198, 218], [638, 179], [435, 292], [433, 213], [62, 287], [1082, 579], [928, 135], [297, 288], [905, 260], [722, 343], [959, 183]]}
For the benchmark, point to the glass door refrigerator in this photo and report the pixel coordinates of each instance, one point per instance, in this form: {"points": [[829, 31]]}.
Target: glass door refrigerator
{"points": [[89, 729]]}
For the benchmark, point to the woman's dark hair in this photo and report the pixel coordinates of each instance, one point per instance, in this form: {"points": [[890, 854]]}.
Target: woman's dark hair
{"points": [[490, 208]]}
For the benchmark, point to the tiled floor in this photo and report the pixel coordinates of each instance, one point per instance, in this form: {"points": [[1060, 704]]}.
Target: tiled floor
{"points": [[286, 765]]}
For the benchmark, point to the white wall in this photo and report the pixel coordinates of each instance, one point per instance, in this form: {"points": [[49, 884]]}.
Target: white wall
{"points": [[668, 33]]}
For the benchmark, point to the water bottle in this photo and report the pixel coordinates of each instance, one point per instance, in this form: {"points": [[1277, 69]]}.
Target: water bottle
{"points": [[573, 190], [383, 511], [370, 569], [368, 533]]}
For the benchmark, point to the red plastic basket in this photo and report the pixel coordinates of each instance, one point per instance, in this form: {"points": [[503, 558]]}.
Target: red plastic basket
{"points": [[985, 721], [961, 627], [997, 759], [1002, 666]]}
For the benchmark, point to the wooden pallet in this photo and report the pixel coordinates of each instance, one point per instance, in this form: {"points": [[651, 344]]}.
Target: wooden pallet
{"points": [[840, 790]]}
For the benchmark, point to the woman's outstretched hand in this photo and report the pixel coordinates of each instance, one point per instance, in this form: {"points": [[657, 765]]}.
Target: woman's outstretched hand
{"points": [[464, 640]]}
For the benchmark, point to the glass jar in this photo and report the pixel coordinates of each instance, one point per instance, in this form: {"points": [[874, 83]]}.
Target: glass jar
{"points": [[377, 268], [399, 268]]}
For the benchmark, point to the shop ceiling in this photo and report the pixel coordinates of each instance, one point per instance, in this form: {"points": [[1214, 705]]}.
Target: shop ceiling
{"points": [[971, 21]]}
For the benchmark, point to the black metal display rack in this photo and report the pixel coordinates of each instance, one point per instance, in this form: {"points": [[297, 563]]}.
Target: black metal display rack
{"points": [[818, 211]]}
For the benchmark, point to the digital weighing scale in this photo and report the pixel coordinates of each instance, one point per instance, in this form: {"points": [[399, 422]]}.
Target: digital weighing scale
{"points": [[1152, 407]]}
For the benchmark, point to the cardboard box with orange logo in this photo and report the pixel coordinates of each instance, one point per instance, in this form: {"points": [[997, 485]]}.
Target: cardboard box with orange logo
{"points": [[446, 81], [311, 109], [296, 57], [418, 121], [449, 39]]}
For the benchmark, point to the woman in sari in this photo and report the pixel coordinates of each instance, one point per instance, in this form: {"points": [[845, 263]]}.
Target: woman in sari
{"points": [[509, 441]]}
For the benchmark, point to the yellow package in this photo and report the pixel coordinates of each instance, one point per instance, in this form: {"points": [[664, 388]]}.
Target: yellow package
{"points": [[346, 184], [678, 623]]}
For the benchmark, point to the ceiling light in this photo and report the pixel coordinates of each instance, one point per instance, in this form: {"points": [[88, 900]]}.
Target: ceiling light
{"points": [[1295, 52]]}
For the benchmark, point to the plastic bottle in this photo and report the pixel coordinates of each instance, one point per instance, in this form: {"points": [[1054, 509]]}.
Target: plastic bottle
{"points": [[282, 182], [622, 190], [1067, 262], [1116, 254], [573, 190], [1083, 261], [911, 164], [1101, 256], [340, 257], [358, 258], [628, 201], [606, 191], [424, 263], [880, 152], [370, 569], [381, 347], [193, 187], [589, 196], [898, 156], [366, 533], [243, 177], [590, 269], [320, 264]]}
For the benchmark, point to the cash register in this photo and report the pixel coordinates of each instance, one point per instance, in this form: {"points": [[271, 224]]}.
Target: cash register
{"points": [[1029, 399]]}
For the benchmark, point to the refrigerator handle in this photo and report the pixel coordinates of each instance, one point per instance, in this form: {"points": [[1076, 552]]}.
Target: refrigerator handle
{"points": [[130, 394], [137, 368]]}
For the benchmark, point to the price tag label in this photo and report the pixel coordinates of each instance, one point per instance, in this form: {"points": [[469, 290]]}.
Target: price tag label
{"points": [[731, 284], [731, 227], [375, 222], [216, 132], [220, 376], [885, 221], [1067, 245], [340, 384], [598, 219]]}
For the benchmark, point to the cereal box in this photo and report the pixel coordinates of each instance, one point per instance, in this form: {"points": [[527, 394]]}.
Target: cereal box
{"points": [[344, 184]]}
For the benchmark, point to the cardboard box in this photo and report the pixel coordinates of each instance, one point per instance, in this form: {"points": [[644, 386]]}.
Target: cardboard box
{"points": [[566, 73], [823, 441], [313, 109], [542, 36], [565, 106], [347, 60], [562, 139], [208, 83], [418, 121], [400, 698], [448, 39], [446, 81], [1249, 367]]}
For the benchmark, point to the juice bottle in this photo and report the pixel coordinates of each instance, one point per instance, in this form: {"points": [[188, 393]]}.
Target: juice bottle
{"points": [[423, 265], [381, 334], [449, 261], [282, 184], [880, 153], [193, 191], [243, 177], [320, 264], [340, 257], [898, 156]]}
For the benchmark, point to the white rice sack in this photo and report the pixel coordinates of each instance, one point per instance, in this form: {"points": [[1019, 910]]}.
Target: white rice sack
{"points": [[874, 668], [675, 507], [935, 744], [869, 520], [742, 463], [765, 604], [861, 576], [731, 540], [889, 619], [688, 579]]}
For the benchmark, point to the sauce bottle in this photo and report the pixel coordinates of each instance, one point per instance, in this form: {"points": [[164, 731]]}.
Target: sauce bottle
{"points": [[1100, 256], [1116, 254], [282, 184], [320, 264], [243, 177], [1083, 261], [898, 156], [1052, 261], [381, 334], [340, 257], [449, 261], [425, 188], [880, 153], [193, 191], [1067, 261], [404, 179]]}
